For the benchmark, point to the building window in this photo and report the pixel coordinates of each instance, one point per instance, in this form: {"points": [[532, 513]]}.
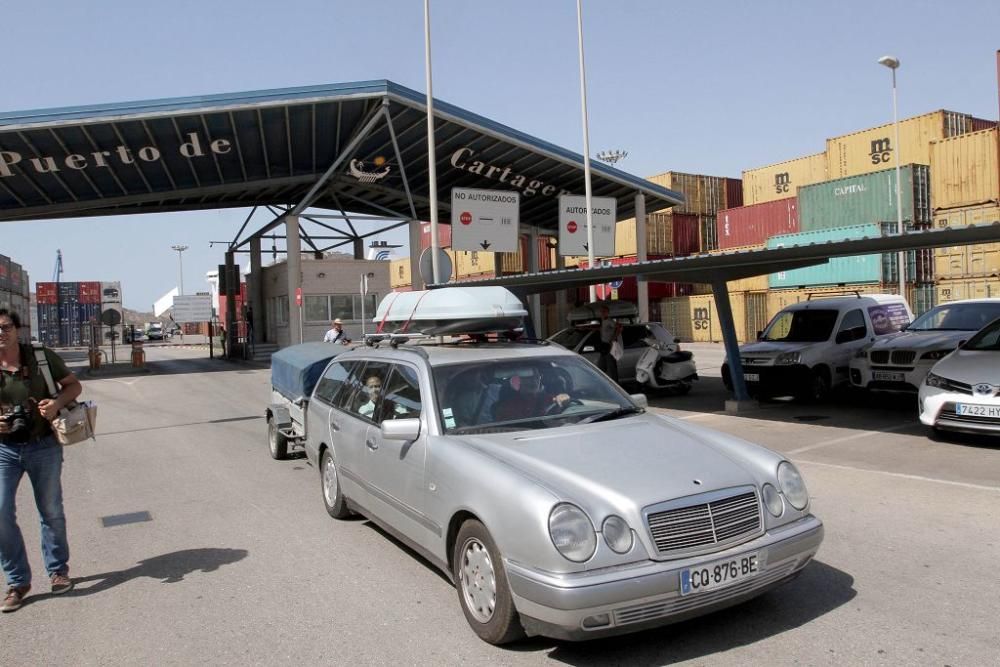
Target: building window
{"points": [[280, 310], [327, 307], [316, 309]]}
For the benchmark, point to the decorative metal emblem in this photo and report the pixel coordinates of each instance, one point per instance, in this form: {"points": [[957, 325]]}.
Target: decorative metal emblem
{"points": [[358, 171], [983, 389]]}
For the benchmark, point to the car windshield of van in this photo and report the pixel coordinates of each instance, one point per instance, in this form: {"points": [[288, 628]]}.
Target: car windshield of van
{"points": [[801, 326], [957, 317], [526, 393], [987, 340]]}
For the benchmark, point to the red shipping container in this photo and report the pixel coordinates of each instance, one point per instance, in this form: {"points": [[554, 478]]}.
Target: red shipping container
{"points": [[753, 225], [90, 292], [685, 234], [45, 293], [734, 192], [444, 235]]}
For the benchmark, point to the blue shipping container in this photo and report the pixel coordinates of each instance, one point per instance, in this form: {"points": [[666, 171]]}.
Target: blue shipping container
{"points": [[837, 271]]}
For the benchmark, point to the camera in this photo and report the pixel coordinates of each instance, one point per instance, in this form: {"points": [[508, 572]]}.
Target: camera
{"points": [[19, 421]]}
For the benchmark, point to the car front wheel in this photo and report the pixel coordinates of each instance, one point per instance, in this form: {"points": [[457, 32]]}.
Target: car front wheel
{"points": [[482, 585]]}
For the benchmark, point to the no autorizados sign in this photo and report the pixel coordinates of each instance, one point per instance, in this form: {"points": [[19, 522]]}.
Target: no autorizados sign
{"points": [[485, 220]]}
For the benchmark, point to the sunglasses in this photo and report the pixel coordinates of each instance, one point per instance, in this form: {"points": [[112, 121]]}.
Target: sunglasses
{"points": [[6, 328]]}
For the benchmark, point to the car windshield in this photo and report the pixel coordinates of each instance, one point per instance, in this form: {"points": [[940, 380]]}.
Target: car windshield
{"points": [[571, 337], [801, 326], [987, 340], [957, 317], [525, 393]]}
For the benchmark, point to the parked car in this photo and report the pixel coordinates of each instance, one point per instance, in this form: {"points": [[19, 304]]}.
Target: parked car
{"points": [[962, 391], [155, 332], [899, 363], [806, 349], [556, 503]]}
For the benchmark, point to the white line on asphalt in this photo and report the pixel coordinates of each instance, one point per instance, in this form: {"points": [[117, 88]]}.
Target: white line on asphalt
{"points": [[918, 478], [846, 438]]}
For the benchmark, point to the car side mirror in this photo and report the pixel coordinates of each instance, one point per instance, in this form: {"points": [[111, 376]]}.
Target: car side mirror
{"points": [[760, 335], [640, 400], [587, 348], [400, 429]]}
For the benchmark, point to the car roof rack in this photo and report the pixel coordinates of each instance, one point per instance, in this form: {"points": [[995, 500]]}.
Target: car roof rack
{"points": [[846, 292]]}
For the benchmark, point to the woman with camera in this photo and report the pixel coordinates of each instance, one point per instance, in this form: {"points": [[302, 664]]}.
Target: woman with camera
{"points": [[27, 445]]}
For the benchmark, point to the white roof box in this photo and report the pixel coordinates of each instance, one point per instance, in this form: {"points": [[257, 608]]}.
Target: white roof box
{"points": [[450, 310]]}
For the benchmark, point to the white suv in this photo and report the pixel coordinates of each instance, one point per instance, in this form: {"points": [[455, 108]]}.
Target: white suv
{"points": [[807, 348], [900, 363]]}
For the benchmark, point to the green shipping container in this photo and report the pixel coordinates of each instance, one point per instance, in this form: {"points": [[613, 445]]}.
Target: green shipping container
{"points": [[869, 198], [837, 271]]}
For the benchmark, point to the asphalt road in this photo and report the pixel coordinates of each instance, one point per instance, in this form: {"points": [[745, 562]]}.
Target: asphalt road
{"points": [[236, 561]]}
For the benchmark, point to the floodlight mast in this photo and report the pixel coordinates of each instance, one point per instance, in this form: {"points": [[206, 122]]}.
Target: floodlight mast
{"points": [[612, 157]]}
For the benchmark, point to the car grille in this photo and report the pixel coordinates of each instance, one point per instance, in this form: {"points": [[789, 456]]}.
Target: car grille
{"points": [[678, 605], [693, 527], [897, 357]]}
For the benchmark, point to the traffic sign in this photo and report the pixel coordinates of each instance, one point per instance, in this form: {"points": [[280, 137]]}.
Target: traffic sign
{"points": [[616, 284], [425, 266], [573, 225], [485, 219], [193, 308], [298, 296]]}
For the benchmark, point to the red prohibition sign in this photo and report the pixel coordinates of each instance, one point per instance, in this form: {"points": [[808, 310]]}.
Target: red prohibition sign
{"points": [[466, 218], [571, 227]]}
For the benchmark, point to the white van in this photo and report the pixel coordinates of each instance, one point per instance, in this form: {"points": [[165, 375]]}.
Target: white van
{"points": [[807, 348]]}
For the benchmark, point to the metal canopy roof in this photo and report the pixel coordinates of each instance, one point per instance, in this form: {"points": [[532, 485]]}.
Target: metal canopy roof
{"points": [[733, 265], [273, 147]]}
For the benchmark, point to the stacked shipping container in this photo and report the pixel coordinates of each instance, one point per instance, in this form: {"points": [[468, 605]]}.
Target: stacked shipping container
{"points": [[70, 313], [14, 292]]}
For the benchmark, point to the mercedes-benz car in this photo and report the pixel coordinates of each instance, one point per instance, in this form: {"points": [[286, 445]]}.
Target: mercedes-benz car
{"points": [[962, 391], [556, 502], [899, 363]]}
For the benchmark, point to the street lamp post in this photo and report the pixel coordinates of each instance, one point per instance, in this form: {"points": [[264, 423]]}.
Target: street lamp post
{"points": [[365, 277], [893, 63], [180, 259]]}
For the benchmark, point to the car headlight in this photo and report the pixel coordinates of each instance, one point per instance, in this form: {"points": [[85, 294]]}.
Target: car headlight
{"points": [[787, 359], [792, 485], [935, 381], [572, 533], [772, 500], [617, 534], [935, 354]]}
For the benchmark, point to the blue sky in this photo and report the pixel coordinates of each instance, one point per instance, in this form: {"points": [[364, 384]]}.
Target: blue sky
{"points": [[699, 87]]}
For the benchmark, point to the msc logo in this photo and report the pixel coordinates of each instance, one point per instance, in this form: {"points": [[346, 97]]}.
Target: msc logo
{"points": [[702, 318], [881, 151], [782, 182]]}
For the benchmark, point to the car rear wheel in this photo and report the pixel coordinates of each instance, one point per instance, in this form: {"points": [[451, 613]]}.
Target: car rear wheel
{"points": [[483, 591], [276, 442], [333, 496], [818, 388]]}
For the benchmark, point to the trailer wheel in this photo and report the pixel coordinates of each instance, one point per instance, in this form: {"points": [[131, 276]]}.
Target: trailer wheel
{"points": [[276, 442]]}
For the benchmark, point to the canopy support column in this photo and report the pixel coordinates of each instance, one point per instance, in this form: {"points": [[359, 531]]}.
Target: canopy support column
{"points": [[293, 264], [416, 282], [721, 292], [232, 289], [642, 287], [535, 300], [255, 290]]}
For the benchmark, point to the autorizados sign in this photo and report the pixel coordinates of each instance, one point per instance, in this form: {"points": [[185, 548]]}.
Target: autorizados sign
{"points": [[121, 154]]}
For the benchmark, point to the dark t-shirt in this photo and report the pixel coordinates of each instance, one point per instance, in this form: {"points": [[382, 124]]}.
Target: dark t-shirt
{"points": [[16, 390]]}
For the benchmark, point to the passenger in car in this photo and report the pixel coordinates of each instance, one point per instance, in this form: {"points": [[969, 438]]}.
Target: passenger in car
{"points": [[524, 397]]}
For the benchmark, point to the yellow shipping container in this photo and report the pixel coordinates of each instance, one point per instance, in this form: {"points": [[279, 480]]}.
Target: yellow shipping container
{"points": [[964, 170], [472, 263], [399, 273], [695, 318], [874, 149], [956, 290], [625, 239], [782, 180], [511, 262], [703, 195], [969, 261]]}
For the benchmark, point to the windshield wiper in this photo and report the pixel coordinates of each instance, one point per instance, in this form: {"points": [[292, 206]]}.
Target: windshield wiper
{"points": [[612, 414]]}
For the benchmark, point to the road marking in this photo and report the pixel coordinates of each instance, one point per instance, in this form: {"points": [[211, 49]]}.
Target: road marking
{"points": [[919, 478], [856, 436]]}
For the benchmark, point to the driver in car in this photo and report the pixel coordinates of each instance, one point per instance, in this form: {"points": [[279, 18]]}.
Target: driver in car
{"points": [[529, 399]]}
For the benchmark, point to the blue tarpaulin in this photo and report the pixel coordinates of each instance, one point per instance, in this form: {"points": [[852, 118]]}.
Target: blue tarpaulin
{"points": [[295, 370]]}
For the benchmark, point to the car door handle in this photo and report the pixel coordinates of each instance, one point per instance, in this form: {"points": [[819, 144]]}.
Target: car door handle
{"points": [[334, 426], [372, 445]]}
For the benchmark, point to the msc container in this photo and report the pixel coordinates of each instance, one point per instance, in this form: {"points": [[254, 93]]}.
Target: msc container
{"points": [[704, 195], [695, 318], [752, 225], [874, 149], [969, 261], [859, 200], [782, 180], [956, 290], [964, 170], [399, 273]]}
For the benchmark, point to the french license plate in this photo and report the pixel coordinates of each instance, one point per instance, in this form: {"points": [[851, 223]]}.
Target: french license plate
{"points": [[751, 377], [973, 410], [888, 376], [718, 574]]}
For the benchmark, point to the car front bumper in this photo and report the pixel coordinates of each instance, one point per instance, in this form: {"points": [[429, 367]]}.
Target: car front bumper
{"points": [[937, 409], [784, 380], [906, 379], [616, 601]]}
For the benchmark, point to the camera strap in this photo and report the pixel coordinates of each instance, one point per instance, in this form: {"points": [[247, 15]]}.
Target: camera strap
{"points": [[43, 366]]}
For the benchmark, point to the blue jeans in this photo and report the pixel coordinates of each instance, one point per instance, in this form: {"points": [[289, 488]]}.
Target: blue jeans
{"points": [[42, 460]]}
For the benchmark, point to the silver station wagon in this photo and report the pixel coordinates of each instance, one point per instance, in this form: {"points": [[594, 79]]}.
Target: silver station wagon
{"points": [[555, 501]]}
